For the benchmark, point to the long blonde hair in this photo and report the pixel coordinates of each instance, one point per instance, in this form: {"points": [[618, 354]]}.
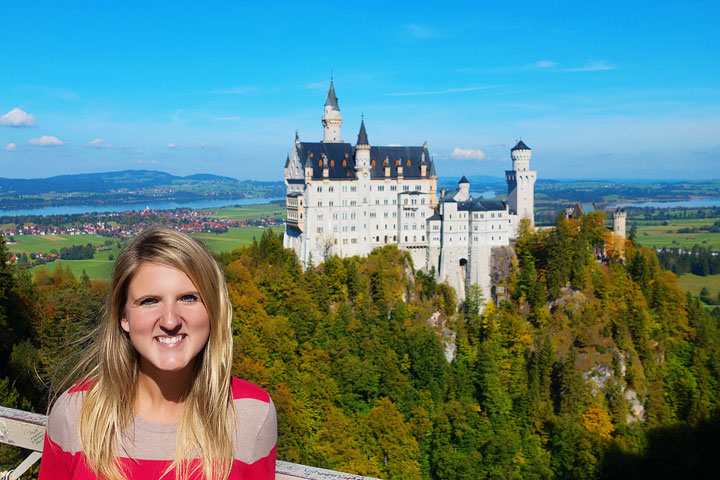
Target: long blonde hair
{"points": [[111, 366]]}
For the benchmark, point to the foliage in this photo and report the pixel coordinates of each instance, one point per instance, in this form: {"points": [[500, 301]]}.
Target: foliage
{"points": [[379, 370]]}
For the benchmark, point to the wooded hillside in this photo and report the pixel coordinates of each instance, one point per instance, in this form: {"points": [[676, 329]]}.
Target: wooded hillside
{"points": [[588, 370]]}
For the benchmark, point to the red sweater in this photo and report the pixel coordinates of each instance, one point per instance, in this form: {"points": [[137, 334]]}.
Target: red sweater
{"points": [[148, 448]]}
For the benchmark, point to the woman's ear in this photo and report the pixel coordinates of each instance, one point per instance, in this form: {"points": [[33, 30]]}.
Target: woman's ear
{"points": [[124, 323]]}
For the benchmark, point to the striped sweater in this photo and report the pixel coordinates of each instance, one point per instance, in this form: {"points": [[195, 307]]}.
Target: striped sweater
{"points": [[148, 448]]}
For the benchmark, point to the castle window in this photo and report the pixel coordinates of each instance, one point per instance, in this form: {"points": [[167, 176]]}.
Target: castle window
{"points": [[373, 163], [332, 163], [330, 203], [344, 163], [312, 154], [330, 188], [417, 188], [320, 230], [346, 155], [353, 188], [319, 188], [319, 163], [406, 188], [397, 162], [319, 203], [377, 201], [319, 216], [408, 162]]}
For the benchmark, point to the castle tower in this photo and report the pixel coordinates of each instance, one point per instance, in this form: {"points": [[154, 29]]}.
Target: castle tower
{"points": [[362, 150], [331, 119], [463, 190], [521, 184], [619, 217]]}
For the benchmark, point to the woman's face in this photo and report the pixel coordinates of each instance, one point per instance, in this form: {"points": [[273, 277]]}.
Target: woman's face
{"points": [[165, 318]]}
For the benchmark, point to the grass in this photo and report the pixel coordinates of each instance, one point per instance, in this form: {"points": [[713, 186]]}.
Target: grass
{"points": [[101, 266], [694, 283], [652, 233], [248, 212], [45, 243], [234, 238]]}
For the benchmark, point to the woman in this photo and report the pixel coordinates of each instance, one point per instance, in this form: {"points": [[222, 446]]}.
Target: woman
{"points": [[156, 397]]}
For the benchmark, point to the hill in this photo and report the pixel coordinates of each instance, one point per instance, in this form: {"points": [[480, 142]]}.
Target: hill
{"points": [[127, 186]]}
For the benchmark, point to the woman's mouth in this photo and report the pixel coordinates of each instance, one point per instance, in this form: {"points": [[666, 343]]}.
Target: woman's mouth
{"points": [[170, 341]]}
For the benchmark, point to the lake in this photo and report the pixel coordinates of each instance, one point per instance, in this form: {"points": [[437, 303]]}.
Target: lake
{"points": [[695, 203], [124, 207]]}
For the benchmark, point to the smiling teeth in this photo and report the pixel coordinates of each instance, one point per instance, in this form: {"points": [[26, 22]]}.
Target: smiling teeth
{"points": [[170, 340]]}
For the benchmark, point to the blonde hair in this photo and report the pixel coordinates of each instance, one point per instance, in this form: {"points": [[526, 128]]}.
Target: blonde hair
{"points": [[111, 366]]}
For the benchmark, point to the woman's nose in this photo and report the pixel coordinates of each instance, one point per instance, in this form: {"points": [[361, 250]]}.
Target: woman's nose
{"points": [[171, 321]]}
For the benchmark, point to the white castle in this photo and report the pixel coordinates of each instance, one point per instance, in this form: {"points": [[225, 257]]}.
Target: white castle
{"points": [[346, 200]]}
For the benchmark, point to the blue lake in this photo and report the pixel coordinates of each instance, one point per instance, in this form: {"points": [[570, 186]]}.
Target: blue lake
{"points": [[124, 207], [695, 203]]}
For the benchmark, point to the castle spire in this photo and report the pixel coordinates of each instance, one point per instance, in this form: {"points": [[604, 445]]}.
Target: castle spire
{"points": [[362, 136], [332, 100]]}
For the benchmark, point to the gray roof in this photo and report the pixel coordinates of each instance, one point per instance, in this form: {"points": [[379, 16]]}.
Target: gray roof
{"points": [[332, 99], [463, 180], [436, 216], [362, 136], [520, 145], [311, 154], [287, 161], [480, 205]]}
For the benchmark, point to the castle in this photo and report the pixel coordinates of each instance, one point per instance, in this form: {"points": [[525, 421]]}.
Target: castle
{"points": [[346, 200]]}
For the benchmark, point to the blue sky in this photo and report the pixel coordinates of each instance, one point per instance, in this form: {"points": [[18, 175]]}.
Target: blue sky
{"points": [[596, 89]]}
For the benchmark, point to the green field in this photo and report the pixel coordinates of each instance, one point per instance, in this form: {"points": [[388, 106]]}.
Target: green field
{"points": [[654, 234], [45, 243], [101, 265], [234, 238], [694, 283], [248, 212]]}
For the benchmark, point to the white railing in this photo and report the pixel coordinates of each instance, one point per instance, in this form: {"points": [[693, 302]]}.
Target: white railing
{"points": [[27, 430]]}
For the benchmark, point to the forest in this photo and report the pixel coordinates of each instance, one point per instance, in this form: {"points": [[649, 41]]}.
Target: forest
{"points": [[587, 369]]}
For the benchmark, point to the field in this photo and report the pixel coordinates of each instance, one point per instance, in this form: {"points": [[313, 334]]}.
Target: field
{"points": [[44, 243], [694, 283], [654, 234], [101, 265], [234, 238], [271, 210]]}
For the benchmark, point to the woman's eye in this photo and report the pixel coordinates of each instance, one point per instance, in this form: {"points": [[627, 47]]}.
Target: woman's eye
{"points": [[148, 301], [189, 298]]}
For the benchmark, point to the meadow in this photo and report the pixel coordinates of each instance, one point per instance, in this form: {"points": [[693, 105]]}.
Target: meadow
{"points": [[694, 283], [268, 210], [101, 266], [652, 233]]}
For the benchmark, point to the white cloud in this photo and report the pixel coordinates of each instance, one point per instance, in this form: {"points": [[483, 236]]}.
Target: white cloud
{"points": [[594, 66], [440, 92], [544, 64], [171, 145], [148, 162], [46, 141], [394, 145], [98, 143], [17, 118], [315, 85], [10, 147], [467, 154]]}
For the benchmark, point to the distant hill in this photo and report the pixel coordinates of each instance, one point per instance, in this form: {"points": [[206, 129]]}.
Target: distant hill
{"points": [[128, 186]]}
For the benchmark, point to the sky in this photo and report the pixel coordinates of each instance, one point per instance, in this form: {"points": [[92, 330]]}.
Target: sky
{"points": [[605, 90]]}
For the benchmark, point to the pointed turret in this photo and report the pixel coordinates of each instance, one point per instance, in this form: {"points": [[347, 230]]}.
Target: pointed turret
{"points": [[331, 119], [331, 100], [362, 136], [463, 180], [362, 149]]}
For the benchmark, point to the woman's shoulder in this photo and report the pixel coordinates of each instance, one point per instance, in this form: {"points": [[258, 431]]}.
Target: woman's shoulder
{"points": [[63, 419], [242, 389]]}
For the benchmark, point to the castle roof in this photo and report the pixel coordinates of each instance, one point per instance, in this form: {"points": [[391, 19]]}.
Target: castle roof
{"points": [[481, 205], [463, 180], [520, 145], [287, 161], [410, 158], [332, 98], [362, 136]]}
